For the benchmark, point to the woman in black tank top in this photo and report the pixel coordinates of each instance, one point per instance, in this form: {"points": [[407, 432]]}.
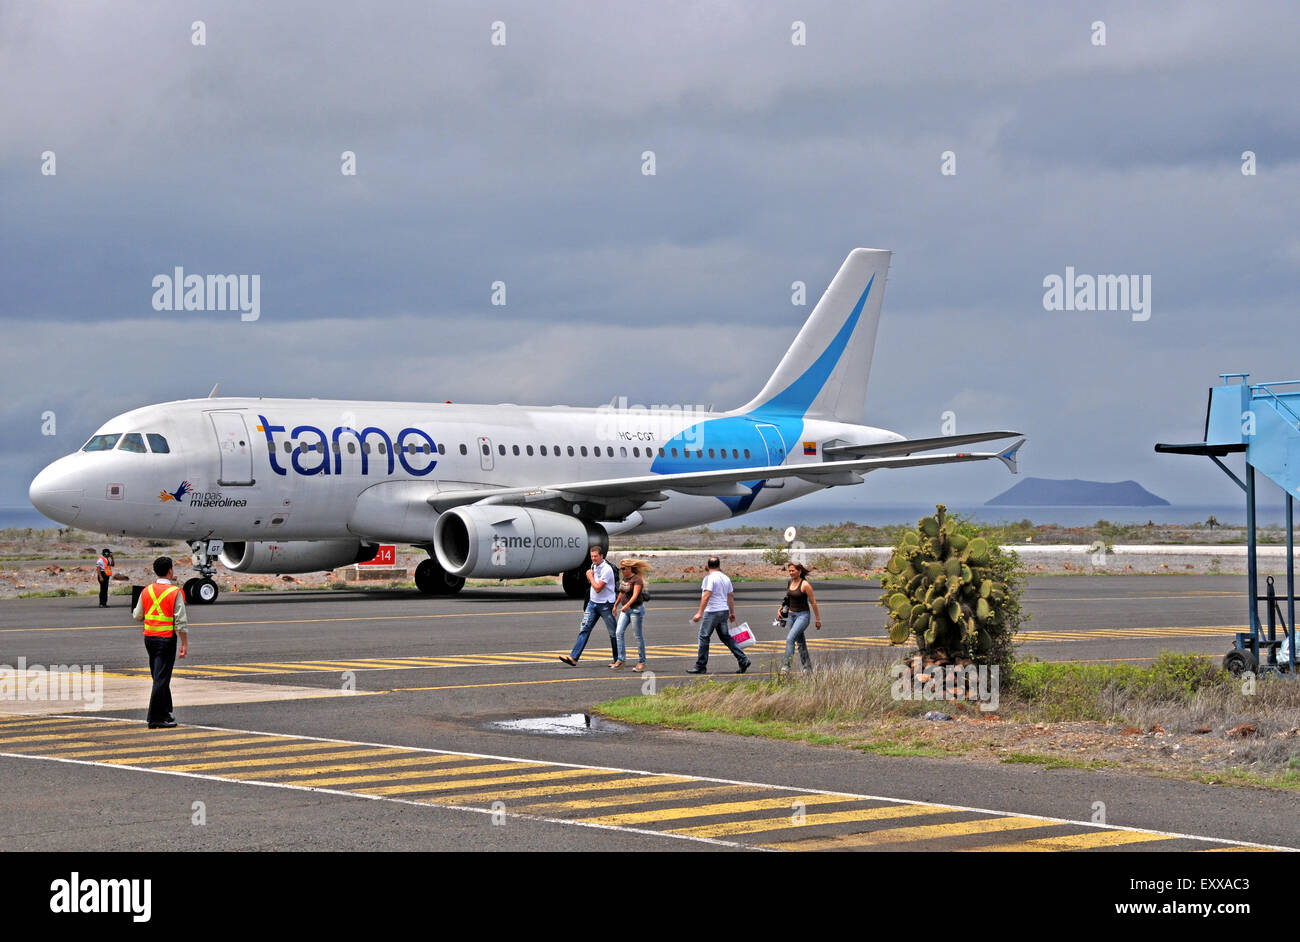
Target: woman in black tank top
{"points": [[799, 592]]}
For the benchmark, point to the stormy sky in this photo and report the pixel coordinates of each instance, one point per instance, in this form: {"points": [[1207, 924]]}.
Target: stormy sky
{"points": [[522, 163]]}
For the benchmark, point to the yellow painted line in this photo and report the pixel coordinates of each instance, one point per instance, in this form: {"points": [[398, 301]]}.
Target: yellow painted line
{"points": [[920, 832], [382, 776], [1084, 841], [81, 752], [644, 798], [1237, 850], [22, 720], [475, 783], [727, 807], [352, 767], [251, 763], [285, 746], [607, 676], [549, 791], [833, 817], [89, 731]]}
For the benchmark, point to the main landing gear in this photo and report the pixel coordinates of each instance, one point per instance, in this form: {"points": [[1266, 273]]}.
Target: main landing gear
{"points": [[204, 590], [575, 582], [432, 579]]}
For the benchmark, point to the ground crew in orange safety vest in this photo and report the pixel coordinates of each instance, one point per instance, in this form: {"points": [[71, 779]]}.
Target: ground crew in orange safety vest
{"points": [[104, 572], [162, 609]]}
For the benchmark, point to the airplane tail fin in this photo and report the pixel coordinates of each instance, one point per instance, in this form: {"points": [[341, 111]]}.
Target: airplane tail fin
{"points": [[824, 373]]}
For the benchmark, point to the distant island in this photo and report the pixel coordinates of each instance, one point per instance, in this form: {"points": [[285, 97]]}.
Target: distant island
{"points": [[1048, 492]]}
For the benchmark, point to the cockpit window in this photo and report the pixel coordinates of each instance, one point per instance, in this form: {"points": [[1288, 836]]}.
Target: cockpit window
{"points": [[101, 443], [158, 444], [132, 441]]}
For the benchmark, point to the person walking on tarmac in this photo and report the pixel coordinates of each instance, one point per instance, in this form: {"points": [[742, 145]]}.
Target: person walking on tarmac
{"points": [[600, 605], [162, 609], [104, 572]]}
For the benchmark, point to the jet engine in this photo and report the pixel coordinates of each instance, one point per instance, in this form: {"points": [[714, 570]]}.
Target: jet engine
{"points": [[499, 542], [296, 555]]}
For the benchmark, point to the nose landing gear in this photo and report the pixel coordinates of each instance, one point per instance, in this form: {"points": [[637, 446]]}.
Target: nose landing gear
{"points": [[204, 590]]}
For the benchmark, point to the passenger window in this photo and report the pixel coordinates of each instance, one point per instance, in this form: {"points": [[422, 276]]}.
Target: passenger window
{"points": [[622, 452], [158, 444], [132, 441], [288, 447], [101, 443], [365, 448], [661, 453], [383, 448], [557, 451], [515, 450], [335, 448], [636, 452], [428, 449], [464, 450], [674, 452], [710, 452], [352, 448], [609, 451], [734, 453], [529, 449], [442, 449], [543, 450], [699, 453], [746, 454], [501, 449], [583, 449]]}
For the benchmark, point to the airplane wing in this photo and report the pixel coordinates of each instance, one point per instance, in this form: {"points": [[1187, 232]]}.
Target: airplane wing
{"points": [[724, 483]]}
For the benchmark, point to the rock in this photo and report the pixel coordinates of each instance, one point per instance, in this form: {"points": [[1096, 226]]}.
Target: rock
{"points": [[1130, 731], [936, 716], [288, 579], [1242, 731]]}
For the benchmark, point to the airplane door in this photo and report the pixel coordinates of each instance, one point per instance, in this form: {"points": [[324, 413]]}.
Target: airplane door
{"points": [[775, 445], [485, 453], [235, 446]]}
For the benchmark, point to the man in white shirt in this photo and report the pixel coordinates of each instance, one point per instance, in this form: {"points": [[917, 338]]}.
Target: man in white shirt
{"points": [[717, 607], [599, 605]]}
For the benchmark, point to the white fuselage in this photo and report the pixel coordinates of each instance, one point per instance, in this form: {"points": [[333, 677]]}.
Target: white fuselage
{"points": [[309, 469]]}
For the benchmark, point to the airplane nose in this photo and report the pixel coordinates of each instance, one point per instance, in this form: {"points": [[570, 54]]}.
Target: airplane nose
{"points": [[56, 494]]}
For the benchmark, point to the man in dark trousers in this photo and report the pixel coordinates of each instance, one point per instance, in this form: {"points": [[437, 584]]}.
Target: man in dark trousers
{"points": [[104, 573], [162, 610]]}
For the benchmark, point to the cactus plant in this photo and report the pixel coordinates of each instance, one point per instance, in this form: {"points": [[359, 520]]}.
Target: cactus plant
{"points": [[953, 591]]}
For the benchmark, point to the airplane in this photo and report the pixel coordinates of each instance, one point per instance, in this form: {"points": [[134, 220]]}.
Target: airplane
{"points": [[488, 491]]}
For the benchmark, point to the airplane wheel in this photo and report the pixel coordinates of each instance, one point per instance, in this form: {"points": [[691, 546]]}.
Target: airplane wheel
{"points": [[1238, 661], [575, 583], [188, 588], [206, 592], [432, 579]]}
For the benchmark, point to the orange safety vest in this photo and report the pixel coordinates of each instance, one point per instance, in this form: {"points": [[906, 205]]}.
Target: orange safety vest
{"points": [[159, 603], [108, 569]]}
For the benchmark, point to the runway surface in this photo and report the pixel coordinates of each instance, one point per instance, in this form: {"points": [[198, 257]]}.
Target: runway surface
{"points": [[340, 720]]}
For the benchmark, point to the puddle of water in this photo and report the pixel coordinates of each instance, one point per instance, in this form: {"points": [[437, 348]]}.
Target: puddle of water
{"points": [[570, 724]]}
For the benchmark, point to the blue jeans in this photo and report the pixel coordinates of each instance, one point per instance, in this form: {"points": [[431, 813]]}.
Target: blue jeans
{"points": [[636, 616], [711, 622], [798, 625], [603, 610]]}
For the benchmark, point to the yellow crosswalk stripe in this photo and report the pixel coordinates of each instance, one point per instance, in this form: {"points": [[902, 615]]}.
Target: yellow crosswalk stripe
{"points": [[203, 752], [351, 767], [726, 807], [551, 791], [643, 798], [478, 782], [160, 761], [81, 752], [64, 734], [1239, 850], [1085, 841], [420, 773], [832, 817], [920, 832]]}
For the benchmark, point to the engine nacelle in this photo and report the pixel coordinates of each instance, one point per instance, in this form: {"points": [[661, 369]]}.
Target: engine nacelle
{"points": [[296, 555], [500, 542]]}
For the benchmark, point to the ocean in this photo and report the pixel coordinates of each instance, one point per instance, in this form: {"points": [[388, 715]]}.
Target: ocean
{"points": [[805, 514]]}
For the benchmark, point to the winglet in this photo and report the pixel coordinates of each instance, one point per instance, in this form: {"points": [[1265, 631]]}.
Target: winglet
{"points": [[1008, 457], [215, 388]]}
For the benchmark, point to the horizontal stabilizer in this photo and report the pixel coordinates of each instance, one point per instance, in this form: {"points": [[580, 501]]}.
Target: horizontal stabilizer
{"points": [[911, 445]]}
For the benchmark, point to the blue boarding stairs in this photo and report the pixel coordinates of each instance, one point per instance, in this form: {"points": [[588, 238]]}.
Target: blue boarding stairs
{"points": [[1262, 422]]}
